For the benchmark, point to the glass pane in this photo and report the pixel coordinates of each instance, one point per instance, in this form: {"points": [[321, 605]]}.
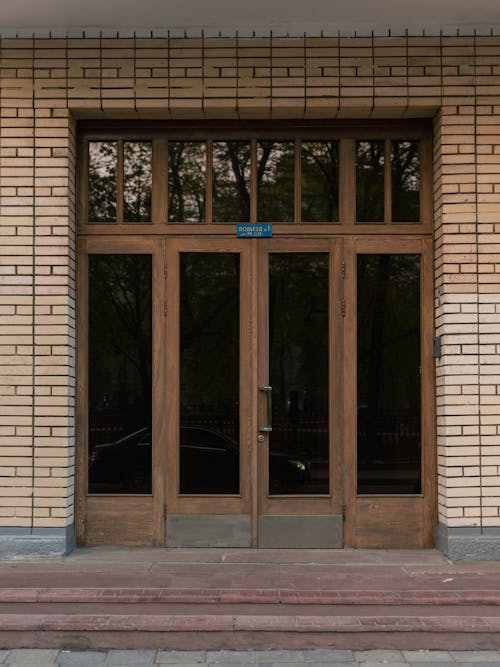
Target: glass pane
{"points": [[275, 181], [187, 162], [370, 181], [405, 181], [231, 181], [103, 157], [119, 374], [320, 181], [389, 439], [209, 373], [137, 180], [298, 373]]}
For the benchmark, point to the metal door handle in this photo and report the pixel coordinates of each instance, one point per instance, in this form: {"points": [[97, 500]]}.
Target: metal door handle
{"points": [[269, 393]]}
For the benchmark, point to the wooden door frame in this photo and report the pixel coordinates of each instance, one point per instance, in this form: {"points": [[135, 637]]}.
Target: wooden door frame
{"points": [[146, 510], [422, 507], [177, 503], [304, 504]]}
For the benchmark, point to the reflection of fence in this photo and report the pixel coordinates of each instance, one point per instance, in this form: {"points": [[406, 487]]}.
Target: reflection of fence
{"points": [[106, 427]]}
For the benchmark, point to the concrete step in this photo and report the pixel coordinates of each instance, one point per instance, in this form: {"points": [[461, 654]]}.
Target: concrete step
{"points": [[249, 595], [247, 618]]}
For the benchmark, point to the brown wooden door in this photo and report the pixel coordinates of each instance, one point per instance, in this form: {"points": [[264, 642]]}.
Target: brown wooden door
{"points": [[300, 310], [256, 422]]}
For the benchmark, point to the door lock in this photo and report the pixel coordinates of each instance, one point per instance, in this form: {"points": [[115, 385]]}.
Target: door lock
{"points": [[260, 438]]}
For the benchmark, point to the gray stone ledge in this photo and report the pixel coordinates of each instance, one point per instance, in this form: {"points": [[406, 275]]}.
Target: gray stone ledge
{"points": [[469, 543], [19, 543]]}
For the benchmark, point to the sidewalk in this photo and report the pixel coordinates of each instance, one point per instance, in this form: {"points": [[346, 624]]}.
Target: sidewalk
{"points": [[314, 658]]}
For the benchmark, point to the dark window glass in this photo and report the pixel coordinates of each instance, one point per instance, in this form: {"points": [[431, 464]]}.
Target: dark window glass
{"points": [[389, 438], [370, 181], [103, 158], [275, 181], [298, 373], [320, 181], [209, 373], [186, 181], [137, 180], [120, 374], [231, 181], [405, 163]]}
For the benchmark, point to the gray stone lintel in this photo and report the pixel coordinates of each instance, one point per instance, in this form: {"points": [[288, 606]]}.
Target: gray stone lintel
{"points": [[208, 530], [18, 543], [300, 532], [469, 543]]}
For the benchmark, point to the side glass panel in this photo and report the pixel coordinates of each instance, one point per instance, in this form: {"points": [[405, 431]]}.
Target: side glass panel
{"points": [[209, 373], [137, 180], [275, 181], [370, 181], [320, 181], [231, 181], [103, 159], [119, 374], [405, 170], [186, 181], [388, 330], [298, 373]]}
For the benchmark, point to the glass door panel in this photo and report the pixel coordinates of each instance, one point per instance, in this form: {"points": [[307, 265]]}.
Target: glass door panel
{"points": [[389, 374], [119, 366], [298, 373], [209, 373]]}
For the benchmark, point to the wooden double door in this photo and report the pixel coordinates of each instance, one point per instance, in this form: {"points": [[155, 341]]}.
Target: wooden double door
{"points": [[255, 392]]}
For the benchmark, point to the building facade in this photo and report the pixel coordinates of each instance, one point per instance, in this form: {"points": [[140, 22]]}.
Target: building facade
{"points": [[373, 311]]}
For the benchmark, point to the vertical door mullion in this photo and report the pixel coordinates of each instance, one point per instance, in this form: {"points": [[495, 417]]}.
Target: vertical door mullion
{"points": [[171, 352], [159, 392]]}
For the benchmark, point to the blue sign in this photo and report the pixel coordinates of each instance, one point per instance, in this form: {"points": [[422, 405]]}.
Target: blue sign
{"points": [[249, 230]]}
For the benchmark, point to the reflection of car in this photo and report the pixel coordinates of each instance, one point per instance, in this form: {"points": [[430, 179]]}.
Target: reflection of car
{"points": [[122, 466], [209, 463]]}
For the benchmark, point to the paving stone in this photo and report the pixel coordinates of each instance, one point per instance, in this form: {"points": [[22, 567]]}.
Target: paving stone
{"points": [[427, 656], [379, 655], [130, 657], [238, 656], [25, 664], [81, 658], [328, 655], [383, 663], [278, 656], [181, 657], [439, 663], [494, 663], [476, 656], [3, 655], [31, 656]]}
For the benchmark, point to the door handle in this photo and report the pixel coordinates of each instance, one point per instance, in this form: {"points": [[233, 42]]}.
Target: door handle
{"points": [[269, 394]]}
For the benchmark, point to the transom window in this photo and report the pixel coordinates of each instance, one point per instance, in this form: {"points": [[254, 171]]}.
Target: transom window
{"points": [[310, 177]]}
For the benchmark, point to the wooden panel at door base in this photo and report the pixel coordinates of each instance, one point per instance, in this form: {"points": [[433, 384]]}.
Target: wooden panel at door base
{"points": [[119, 521], [390, 522]]}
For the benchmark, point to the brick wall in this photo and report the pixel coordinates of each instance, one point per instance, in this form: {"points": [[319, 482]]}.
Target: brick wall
{"points": [[45, 84]]}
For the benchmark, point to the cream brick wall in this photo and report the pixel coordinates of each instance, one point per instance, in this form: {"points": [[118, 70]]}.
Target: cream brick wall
{"points": [[45, 83]]}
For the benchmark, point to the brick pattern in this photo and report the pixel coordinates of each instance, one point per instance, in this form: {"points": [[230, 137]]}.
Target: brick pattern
{"points": [[44, 83]]}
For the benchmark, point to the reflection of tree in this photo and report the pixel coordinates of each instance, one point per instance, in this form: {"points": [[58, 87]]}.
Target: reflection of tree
{"points": [[389, 330], [370, 181], [320, 181], [275, 181], [209, 333], [405, 181], [120, 331], [186, 181], [137, 181], [231, 181], [102, 181]]}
